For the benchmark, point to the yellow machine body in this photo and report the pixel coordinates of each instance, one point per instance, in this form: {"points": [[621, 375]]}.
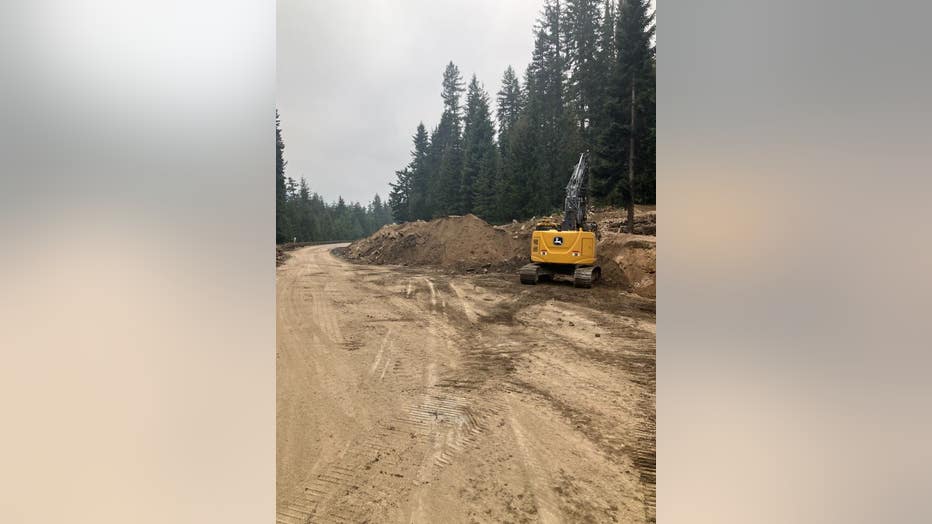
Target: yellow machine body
{"points": [[551, 246]]}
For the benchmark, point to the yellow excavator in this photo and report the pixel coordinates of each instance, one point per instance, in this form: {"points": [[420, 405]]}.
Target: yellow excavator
{"points": [[568, 248]]}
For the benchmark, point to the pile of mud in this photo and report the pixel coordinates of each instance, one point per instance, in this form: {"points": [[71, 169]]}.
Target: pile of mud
{"points": [[469, 244], [644, 224], [615, 220], [630, 262], [608, 219], [463, 243]]}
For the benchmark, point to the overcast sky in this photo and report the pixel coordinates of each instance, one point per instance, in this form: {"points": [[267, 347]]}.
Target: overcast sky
{"points": [[355, 78]]}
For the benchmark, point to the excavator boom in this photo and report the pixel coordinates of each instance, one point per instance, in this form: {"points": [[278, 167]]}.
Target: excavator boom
{"points": [[577, 198]]}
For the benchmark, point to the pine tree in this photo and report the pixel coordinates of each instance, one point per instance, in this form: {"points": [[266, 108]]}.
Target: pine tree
{"points": [[605, 55], [555, 140], [518, 191], [590, 85], [357, 220], [304, 192], [645, 185], [433, 204], [444, 154], [581, 26], [399, 197], [601, 119], [510, 107], [477, 190], [342, 221], [379, 213], [420, 174], [449, 143], [629, 109], [303, 220], [282, 227], [527, 157], [509, 103], [290, 211], [311, 219]]}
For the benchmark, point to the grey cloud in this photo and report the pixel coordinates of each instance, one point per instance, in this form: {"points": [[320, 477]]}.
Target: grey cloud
{"points": [[355, 78]]}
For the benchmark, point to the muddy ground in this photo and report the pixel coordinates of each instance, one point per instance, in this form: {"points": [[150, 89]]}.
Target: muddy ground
{"points": [[412, 395]]}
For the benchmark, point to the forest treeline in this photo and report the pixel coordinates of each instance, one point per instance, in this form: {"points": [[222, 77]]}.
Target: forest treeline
{"points": [[590, 86], [303, 216]]}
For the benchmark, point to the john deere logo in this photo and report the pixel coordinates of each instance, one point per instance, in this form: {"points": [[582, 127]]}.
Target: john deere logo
{"points": [[558, 241]]}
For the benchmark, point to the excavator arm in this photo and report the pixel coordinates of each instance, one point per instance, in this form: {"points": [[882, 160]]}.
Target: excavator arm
{"points": [[577, 196]]}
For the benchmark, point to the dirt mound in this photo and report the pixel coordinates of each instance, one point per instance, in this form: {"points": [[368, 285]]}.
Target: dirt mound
{"points": [[630, 261], [608, 219], [464, 243], [615, 220], [468, 243], [645, 224]]}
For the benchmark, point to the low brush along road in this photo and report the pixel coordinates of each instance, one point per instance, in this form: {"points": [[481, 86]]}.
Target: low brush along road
{"points": [[410, 395]]}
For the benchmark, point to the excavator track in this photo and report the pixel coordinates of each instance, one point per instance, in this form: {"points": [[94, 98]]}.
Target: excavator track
{"points": [[529, 274], [585, 276]]}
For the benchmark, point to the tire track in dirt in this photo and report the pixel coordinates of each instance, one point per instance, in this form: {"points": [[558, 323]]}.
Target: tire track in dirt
{"points": [[438, 427], [432, 370]]}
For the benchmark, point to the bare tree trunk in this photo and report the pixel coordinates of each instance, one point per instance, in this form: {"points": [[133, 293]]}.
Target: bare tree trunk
{"points": [[630, 202]]}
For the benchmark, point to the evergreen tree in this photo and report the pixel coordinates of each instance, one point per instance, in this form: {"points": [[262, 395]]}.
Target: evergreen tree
{"points": [[399, 196], [304, 192], [532, 150], [555, 135], [282, 228], [448, 143], [341, 220], [291, 189], [582, 42], [433, 204], [519, 189], [629, 110], [509, 103], [590, 85], [477, 186], [357, 220], [645, 185], [605, 55], [420, 173], [379, 213], [308, 218], [301, 210]]}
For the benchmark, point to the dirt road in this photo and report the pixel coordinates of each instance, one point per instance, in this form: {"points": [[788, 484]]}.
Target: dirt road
{"points": [[409, 395]]}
